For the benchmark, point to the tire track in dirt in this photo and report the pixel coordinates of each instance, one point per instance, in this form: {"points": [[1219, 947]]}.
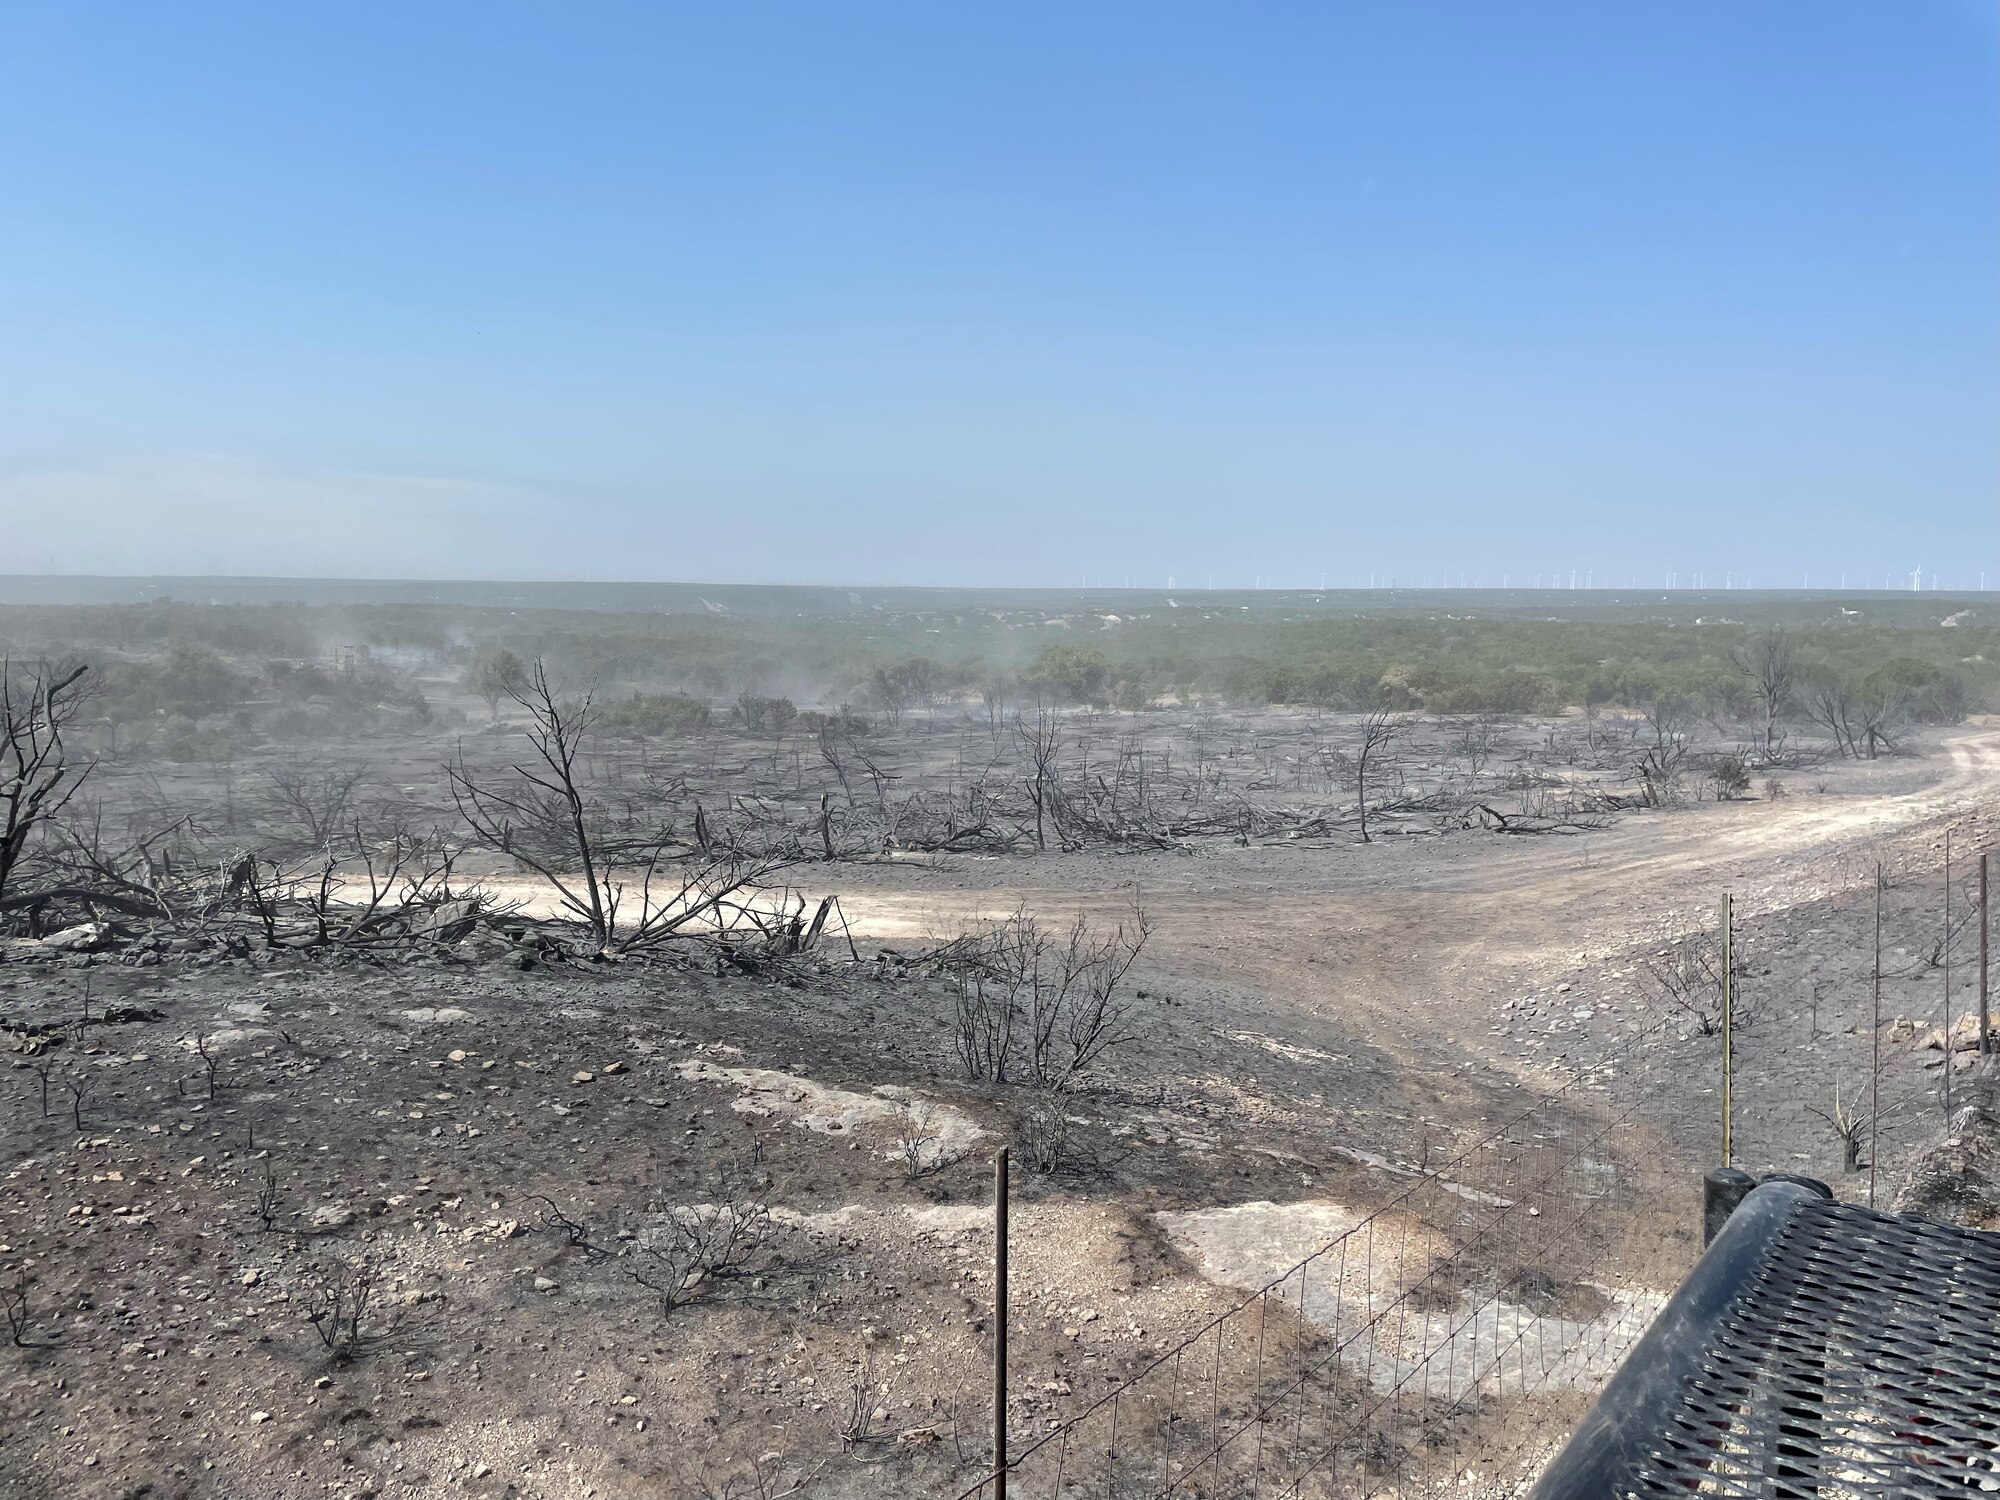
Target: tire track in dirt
{"points": [[1408, 957], [1404, 948]]}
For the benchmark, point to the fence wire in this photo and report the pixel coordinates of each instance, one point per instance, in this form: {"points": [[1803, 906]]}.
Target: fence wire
{"points": [[1443, 1344]]}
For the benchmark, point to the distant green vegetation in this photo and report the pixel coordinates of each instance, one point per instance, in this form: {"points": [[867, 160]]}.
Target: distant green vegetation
{"points": [[189, 703], [660, 673], [653, 714]]}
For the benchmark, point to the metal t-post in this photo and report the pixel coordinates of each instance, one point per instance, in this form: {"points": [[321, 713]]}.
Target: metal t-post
{"points": [[1000, 1325], [1875, 1046], [1946, 957], [1984, 1020], [1728, 1031]]}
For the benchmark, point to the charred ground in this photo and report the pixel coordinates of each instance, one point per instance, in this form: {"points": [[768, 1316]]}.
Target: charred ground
{"points": [[463, 1198]]}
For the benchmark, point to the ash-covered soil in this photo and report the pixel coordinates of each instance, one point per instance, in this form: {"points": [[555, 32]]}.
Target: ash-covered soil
{"points": [[492, 1149], [432, 1125]]}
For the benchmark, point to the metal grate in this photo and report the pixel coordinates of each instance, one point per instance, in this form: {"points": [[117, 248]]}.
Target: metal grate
{"points": [[1818, 1350]]}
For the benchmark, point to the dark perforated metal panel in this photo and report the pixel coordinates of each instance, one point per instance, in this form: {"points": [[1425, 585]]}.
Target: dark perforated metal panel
{"points": [[1819, 1350]]}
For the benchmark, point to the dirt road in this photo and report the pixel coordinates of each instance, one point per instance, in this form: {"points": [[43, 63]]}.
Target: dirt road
{"points": [[1384, 973], [1409, 944]]}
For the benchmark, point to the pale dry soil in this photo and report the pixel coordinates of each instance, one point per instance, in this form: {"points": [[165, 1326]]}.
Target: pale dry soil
{"points": [[1322, 1026], [1415, 946]]}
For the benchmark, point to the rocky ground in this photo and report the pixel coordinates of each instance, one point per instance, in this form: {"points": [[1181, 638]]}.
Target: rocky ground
{"points": [[212, 1153], [434, 1129]]}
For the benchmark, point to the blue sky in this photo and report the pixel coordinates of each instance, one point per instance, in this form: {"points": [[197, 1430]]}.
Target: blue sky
{"points": [[1010, 294]]}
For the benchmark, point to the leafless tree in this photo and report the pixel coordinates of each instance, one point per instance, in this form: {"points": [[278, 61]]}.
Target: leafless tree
{"points": [[1041, 741], [1086, 1013], [1594, 694], [995, 692], [1881, 712], [211, 1061], [1477, 740], [1052, 1006], [888, 692], [882, 778], [539, 816], [681, 1251], [984, 1012], [364, 892], [1380, 732], [82, 1087], [574, 1235], [628, 890], [14, 1308], [317, 792], [835, 749], [919, 1142], [1668, 720], [1044, 1136], [1770, 661], [1687, 975], [337, 1295], [1864, 722], [824, 825], [1852, 1125], [762, 715], [1829, 702], [769, 1476], [1668, 717], [269, 1193], [37, 776], [149, 872]]}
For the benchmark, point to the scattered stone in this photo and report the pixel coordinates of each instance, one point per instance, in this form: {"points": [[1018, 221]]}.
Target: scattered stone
{"points": [[85, 937], [131, 1015], [483, 947]]}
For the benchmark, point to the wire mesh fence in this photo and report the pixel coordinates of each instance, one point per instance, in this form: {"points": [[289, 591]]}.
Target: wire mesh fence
{"points": [[1439, 1344]]}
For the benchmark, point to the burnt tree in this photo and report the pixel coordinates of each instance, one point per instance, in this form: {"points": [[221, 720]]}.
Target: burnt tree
{"points": [[37, 775]]}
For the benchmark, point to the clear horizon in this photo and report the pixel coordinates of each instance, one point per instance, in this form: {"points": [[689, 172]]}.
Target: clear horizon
{"points": [[1700, 584]]}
